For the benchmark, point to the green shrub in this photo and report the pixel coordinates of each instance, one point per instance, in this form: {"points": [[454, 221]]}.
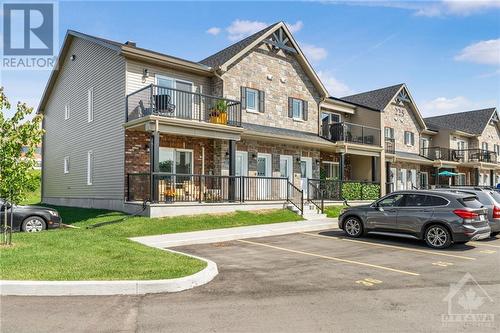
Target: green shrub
{"points": [[360, 191]]}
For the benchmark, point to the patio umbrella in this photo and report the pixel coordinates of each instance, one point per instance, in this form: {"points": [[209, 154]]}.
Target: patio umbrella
{"points": [[447, 173]]}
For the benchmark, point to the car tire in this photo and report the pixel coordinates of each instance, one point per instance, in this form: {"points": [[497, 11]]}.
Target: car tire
{"points": [[494, 234], [353, 227], [33, 224], [437, 237]]}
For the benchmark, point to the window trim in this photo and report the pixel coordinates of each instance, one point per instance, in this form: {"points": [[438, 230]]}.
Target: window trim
{"points": [[391, 132], [257, 100], [66, 111], [90, 167], [301, 118], [66, 165], [175, 150], [90, 104], [411, 137]]}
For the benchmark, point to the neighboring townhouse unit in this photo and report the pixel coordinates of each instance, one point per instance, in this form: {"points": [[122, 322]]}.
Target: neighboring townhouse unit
{"points": [[467, 145], [250, 124], [405, 134]]}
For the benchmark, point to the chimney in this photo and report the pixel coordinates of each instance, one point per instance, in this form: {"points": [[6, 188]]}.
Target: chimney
{"points": [[130, 43]]}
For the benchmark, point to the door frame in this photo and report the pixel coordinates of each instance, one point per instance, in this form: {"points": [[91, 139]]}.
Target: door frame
{"points": [[303, 186], [175, 80]]}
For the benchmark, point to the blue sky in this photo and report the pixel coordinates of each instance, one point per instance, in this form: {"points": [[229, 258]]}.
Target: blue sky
{"points": [[447, 52]]}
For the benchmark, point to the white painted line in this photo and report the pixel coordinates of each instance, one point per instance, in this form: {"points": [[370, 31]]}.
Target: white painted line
{"points": [[391, 246], [483, 244], [331, 258]]}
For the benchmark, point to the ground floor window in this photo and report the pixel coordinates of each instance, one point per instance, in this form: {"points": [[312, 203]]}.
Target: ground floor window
{"points": [[331, 170], [424, 180], [460, 179], [178, 161]]}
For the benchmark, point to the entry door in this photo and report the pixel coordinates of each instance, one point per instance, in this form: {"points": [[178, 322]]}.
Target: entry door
{"points": [[305, 172], [401, 180], [286, 171], [263, 186], [241, 170], [392, 179]]}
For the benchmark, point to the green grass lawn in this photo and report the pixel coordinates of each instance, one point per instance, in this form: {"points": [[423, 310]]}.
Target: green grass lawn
{"points": [[105, 253], [333, 211]]}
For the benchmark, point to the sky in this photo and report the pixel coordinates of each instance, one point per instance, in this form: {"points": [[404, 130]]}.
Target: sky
{"points": [[447, 52]]}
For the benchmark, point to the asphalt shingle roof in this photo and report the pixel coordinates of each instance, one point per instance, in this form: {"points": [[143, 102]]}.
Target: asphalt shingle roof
{"points": [[224, 55], [472, 122], [375, 99], [283, 132]]}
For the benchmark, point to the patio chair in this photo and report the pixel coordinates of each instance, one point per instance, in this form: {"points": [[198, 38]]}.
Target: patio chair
{"points": [[163, 105]]}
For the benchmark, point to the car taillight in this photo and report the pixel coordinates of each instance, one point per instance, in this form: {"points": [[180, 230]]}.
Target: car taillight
{"points": [[496, 212], [467, 215]]}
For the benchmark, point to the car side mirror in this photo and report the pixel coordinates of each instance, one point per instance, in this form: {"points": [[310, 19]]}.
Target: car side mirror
{"points": [[380, 208]]}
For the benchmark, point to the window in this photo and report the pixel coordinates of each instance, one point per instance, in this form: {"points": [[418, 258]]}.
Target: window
{"points": [[331, 170], [424, 143], [409, 138], [460, 145], [66, 112], [484, 145], [424, 180], [178, 161], [460, 179], [90, 167], [414, 200], [90, 104], [391, 201], [435, 201], [297, 108], [471, 202], [252, 100], [496, 149], [389, 132], [328, 118], [66, 164]]}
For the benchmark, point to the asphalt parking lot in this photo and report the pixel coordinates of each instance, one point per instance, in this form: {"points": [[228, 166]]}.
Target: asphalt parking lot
{"points": [[307, 282]]}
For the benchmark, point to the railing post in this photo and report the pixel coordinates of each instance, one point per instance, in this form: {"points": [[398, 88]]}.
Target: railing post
{"points": [[128, 187], [242, 189], [151, 98], [202, 181]]}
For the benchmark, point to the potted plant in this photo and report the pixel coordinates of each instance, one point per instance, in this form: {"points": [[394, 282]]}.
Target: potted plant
{"points": [[169, 195], [218, 114]]}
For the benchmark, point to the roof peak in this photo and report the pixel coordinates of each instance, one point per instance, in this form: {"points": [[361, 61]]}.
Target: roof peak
{"points": [[461, 112], [373, 90]]}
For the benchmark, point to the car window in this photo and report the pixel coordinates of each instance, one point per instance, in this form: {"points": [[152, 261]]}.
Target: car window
{"points": [[495, 195], [414, 200], [484, 198], [435, 201], [471, 202], [391, 201]]}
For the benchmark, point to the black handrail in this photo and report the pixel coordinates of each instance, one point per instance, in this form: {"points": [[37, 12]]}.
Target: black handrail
{"points": [[349, 132], [315, 195], [295, 196]]}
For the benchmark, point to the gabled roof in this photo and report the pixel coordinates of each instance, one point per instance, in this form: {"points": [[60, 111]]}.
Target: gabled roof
{"points": [[224, 55], [473, 122], [376, 99]]}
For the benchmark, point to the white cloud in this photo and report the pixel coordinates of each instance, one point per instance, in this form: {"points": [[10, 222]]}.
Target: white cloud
{"points": [[334, 86], [214, 31], [314, 53], [297, 26], [240, 29], [444, 105], [483, 52], [469, 7]]}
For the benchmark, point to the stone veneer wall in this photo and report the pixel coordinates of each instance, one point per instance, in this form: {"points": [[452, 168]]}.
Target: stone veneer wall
{"points": [[402, 119], [491, 135], [280, 76]]}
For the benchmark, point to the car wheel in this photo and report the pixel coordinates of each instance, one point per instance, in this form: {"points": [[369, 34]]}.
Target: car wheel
{"points": [[437, 237], [494, 234], [353, 227], [33, 224]]}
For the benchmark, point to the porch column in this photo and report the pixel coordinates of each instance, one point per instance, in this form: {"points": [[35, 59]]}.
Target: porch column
{"points": [[232, 169], [492, 181], [341, 166], [154, 153]]}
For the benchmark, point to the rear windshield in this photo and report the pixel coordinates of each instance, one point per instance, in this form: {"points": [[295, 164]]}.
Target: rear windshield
{"points": [[484, 198], [495, 195], [471, 202]]}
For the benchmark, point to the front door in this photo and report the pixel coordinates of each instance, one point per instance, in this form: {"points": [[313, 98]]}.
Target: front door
{"points": [[384, 214], [305, 172], [241, 170], [263, 170], [286, 171]]}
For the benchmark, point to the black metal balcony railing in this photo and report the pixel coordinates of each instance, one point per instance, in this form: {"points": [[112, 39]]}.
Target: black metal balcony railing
{"points": [[390, 145], [459, 155], [181, 104], [353, 133]]}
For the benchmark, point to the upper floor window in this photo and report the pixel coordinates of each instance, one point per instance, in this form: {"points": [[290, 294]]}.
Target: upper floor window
{"points": [[90, 167], [484, 145], [389, 132], [297, 108], [424, 143], [252, 100], [66, 112], [90, 104], [496, 149], [409, 138], [66, 164], [460, 145]]}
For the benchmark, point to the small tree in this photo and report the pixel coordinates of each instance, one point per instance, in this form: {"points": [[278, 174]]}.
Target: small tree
{"points": [[16, 165]]}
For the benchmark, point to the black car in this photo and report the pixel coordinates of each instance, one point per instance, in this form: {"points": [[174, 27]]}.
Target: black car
{"points": [[30, 218], [439, 218]]}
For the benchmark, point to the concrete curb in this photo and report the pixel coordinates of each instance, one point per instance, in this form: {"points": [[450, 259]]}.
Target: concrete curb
{"points": [[98, 288]]}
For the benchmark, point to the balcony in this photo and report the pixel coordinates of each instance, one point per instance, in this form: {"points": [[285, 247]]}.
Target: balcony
{"points": [[352, 133], [459, 155], [390, 146], [167, 102]]}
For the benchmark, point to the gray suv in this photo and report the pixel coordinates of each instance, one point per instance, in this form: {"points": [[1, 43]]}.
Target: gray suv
{"points": [[439, 218]]}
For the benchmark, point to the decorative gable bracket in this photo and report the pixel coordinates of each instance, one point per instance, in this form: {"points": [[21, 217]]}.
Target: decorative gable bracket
{"points": [[278, 40], [403, 97]]}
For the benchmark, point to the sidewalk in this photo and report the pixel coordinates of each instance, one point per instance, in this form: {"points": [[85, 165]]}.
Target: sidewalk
{"points": [[228, 234]]}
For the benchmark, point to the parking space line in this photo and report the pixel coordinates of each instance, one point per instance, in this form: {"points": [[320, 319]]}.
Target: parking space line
{"points": [[330, 258], [392, 246], [482, 244]]}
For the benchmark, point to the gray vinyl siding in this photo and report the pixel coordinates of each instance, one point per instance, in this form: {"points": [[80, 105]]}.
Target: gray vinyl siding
{"points": [[103, 70], [136, 79]]}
